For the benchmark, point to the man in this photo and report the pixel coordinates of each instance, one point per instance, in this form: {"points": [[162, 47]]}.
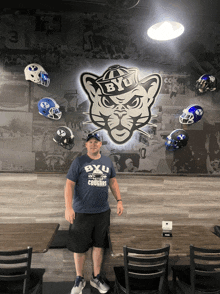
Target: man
{"points": [[88, 179]]}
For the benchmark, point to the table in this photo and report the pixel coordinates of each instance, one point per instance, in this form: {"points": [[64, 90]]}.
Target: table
{"points": [[150, 237], [17, 236]]}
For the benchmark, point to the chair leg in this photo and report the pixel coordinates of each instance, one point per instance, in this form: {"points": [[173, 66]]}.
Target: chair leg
{"points": [[38, 289], [115, 289], [176, 289], [174, 276], [174, 282]]}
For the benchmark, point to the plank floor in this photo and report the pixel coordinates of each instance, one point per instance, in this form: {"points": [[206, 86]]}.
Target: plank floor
{"points": [[28, 198]]}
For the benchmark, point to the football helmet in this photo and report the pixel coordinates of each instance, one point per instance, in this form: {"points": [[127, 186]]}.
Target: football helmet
{"points": [[36, 73], [191, 114], [206, 83], [49, 108], [176, 140], [64, 137]]}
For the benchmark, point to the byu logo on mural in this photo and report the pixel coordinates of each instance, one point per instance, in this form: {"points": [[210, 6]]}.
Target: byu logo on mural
{"points": [[119, 102]]}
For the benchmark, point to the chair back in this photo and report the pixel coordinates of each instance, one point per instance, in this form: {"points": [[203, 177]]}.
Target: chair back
{"points": [[204, 268], [15, 267], [146, 264]]}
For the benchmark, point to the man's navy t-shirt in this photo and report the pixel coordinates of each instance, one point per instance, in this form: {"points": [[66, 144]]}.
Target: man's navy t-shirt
{"points": [[92, 180]]}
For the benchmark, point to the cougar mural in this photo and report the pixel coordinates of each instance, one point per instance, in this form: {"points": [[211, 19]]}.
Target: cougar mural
{"points": [[119, 102]]}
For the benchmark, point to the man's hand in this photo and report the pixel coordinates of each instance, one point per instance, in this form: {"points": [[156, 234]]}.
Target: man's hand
{"points": [[119, 208], [69, 215]]}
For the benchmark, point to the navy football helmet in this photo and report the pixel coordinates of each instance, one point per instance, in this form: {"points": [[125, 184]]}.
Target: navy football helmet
{"points": [[191, 114], [176, 140], [49, 108], [36, 73], [206, 83], [64, 137]]}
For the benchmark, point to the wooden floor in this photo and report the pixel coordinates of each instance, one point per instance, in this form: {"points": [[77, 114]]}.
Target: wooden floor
{"points": [[146, 199]]}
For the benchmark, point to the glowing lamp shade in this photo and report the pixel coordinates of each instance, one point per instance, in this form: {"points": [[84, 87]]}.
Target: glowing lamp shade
{"points": [[166, 30]]}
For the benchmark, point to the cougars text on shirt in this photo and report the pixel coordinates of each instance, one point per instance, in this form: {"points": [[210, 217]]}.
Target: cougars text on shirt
{"points": [[97, 175]]}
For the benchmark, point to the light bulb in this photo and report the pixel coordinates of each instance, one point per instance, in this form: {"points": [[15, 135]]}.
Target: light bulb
{"points": [[165, 30]]}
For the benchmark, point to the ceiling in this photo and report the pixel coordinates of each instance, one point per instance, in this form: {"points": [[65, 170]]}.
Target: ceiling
{"points": [[207, 8], [193, 14]]}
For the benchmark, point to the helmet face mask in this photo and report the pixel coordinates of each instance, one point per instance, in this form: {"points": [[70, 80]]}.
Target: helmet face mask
{"points": [[187, 119], [36, 74], [64, 137], [176, 140], [49, 108], [44, 79], [206, 83], [54, 113], [203, 86], [68, 144], [171, 145]]}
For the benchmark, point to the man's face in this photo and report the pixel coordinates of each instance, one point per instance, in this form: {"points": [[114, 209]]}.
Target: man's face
{"points": [[93, 146]]}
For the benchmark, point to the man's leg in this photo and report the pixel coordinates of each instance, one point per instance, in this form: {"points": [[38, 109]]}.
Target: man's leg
{"points": [[99, 238], [97, 257], [97, 281], [79, 259], [80, 282]]}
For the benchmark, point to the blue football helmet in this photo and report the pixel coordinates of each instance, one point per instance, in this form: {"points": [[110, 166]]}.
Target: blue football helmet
{"points": [[191, 114], [64, 137], [49, 108], [176, 140], [206, 83], [36, 73]]}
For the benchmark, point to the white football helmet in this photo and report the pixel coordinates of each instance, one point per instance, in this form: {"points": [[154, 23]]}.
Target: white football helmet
{"points": [[36, 73]]}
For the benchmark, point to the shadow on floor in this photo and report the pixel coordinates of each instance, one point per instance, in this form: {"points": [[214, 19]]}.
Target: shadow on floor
{"points": [[65, 288], [57, 288]]}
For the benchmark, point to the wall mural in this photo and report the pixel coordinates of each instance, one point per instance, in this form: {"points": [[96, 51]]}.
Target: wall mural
{"points": [[107, 78], [119, 102]]}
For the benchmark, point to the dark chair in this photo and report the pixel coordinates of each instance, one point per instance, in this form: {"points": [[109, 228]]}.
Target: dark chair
{"points": [[203, 273], [144, 270], [16, 275]]}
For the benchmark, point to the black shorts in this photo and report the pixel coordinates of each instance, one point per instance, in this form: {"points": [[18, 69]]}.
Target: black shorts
{"points": [[88, 230]]}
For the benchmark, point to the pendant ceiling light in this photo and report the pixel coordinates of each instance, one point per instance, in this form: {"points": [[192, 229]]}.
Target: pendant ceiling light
{"points": [[165, 30], [167, 19]]}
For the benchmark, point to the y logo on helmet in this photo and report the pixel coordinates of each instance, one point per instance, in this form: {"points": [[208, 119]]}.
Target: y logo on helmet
{"points": [[119, 102], [61, 133], [33, 68], [199, 112], [45, 105], [181, 137]]}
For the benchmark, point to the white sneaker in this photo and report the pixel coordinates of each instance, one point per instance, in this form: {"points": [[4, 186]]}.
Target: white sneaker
{"points": [[99, 284], [80, 283]]}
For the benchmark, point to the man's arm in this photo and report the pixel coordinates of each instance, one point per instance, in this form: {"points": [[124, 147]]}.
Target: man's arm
{"points": [[68, 195], [113, 184]]}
